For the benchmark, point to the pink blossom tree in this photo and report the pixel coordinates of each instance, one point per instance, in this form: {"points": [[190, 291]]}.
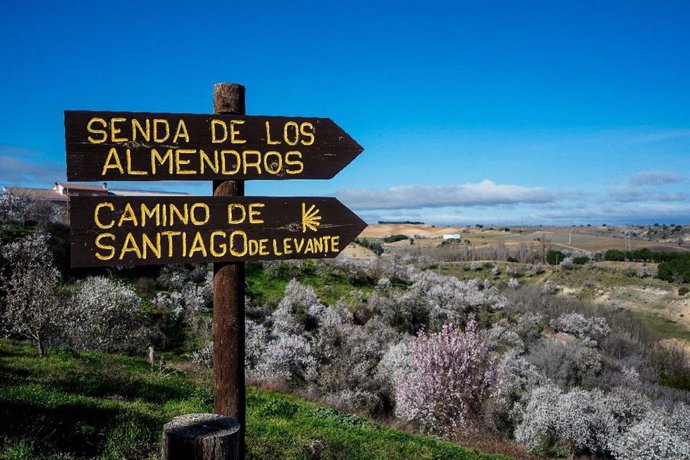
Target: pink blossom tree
{"points": [[451, 375]]}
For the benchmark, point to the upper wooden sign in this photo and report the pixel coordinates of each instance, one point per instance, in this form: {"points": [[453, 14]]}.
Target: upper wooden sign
{"points": [[116, 231], [111, 146]]}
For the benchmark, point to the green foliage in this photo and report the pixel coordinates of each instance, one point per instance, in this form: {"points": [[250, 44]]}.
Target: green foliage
{"points": [[267, 282], [614, 255], [673, 266], [677, 270], [554, 257], [326, 413], [394, 238], [580, 260], [677, 381], [264, 286], [76, 405], [279, 408], [370, 243], [13, 232], [284, 426], [92, 405]]}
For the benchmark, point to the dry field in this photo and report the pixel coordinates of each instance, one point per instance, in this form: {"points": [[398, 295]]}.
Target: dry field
{"points": [[577, 238], [604, 283]]}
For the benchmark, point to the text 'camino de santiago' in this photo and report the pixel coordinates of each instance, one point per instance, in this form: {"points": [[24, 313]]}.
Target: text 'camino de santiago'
{"points": [[144, 230]]}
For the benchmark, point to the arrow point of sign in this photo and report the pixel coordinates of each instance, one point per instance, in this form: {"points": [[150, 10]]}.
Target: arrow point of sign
{"points": [[345, 148], [356, 222]]}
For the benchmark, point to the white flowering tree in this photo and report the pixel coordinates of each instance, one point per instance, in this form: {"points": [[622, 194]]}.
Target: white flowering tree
{"points": [[581, 326], [556, 423], [289, 359], [21, 208], [292, 315], [33, 309], [106, 315], [657, 436]]}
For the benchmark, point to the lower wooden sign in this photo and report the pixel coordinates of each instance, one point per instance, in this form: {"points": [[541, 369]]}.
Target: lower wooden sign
{"points": [[121, 231]]}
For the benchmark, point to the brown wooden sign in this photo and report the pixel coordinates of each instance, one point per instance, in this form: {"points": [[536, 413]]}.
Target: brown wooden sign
{"points": [[115, 231], [108, 146]]}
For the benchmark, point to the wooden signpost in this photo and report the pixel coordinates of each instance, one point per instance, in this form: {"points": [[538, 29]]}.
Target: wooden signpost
{"points": [[227, 229]]}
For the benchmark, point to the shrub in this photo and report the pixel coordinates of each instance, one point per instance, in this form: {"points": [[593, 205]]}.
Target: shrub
{"points": [[204, 356], [513, 283], [354, 365], [256, 341], [644, 272], [433, 300], [626, 406], [106, 315], [288, 359], [502, 335], [516, 378], [353, 400], [534, 270], [371, 244], [567, 263], [292, 315], [554, 257], [560, 424], [581, 327], [394, 238], [33, 308], [654, 437], [394, 363], [614, 255], [184, 308], [580, 260], [567, 363], [451, 376], [19, 207]]}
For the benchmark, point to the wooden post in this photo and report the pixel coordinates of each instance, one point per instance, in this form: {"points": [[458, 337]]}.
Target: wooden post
{"points": [[201, 437], [228, 294]]}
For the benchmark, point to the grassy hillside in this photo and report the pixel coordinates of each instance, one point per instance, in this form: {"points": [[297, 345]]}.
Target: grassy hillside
{"points": [[91, 405]]}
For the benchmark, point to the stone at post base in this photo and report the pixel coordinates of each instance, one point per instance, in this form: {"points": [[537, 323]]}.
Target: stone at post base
{"points": [[201, 437]]}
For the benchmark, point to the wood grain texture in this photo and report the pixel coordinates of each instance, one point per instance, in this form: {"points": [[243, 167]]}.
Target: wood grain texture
{"points": [[228, 296], [201, 437], [283, 228], [330, 149]]}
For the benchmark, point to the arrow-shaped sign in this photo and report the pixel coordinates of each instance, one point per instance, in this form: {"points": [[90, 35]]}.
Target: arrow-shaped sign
{"points": [[109, 146], [110, 231]]}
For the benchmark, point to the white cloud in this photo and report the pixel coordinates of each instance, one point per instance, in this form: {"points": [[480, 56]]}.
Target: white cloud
{"points": [[630, 194], [15, 170], [654, 178], [484, 193]]}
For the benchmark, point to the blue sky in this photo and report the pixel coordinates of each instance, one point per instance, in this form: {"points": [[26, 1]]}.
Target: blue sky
{"points": [[494, 112]]}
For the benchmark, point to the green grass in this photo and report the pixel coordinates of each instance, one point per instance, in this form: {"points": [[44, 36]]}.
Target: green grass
{"points": [[664, 327], [268, 287], [90, 405]]}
